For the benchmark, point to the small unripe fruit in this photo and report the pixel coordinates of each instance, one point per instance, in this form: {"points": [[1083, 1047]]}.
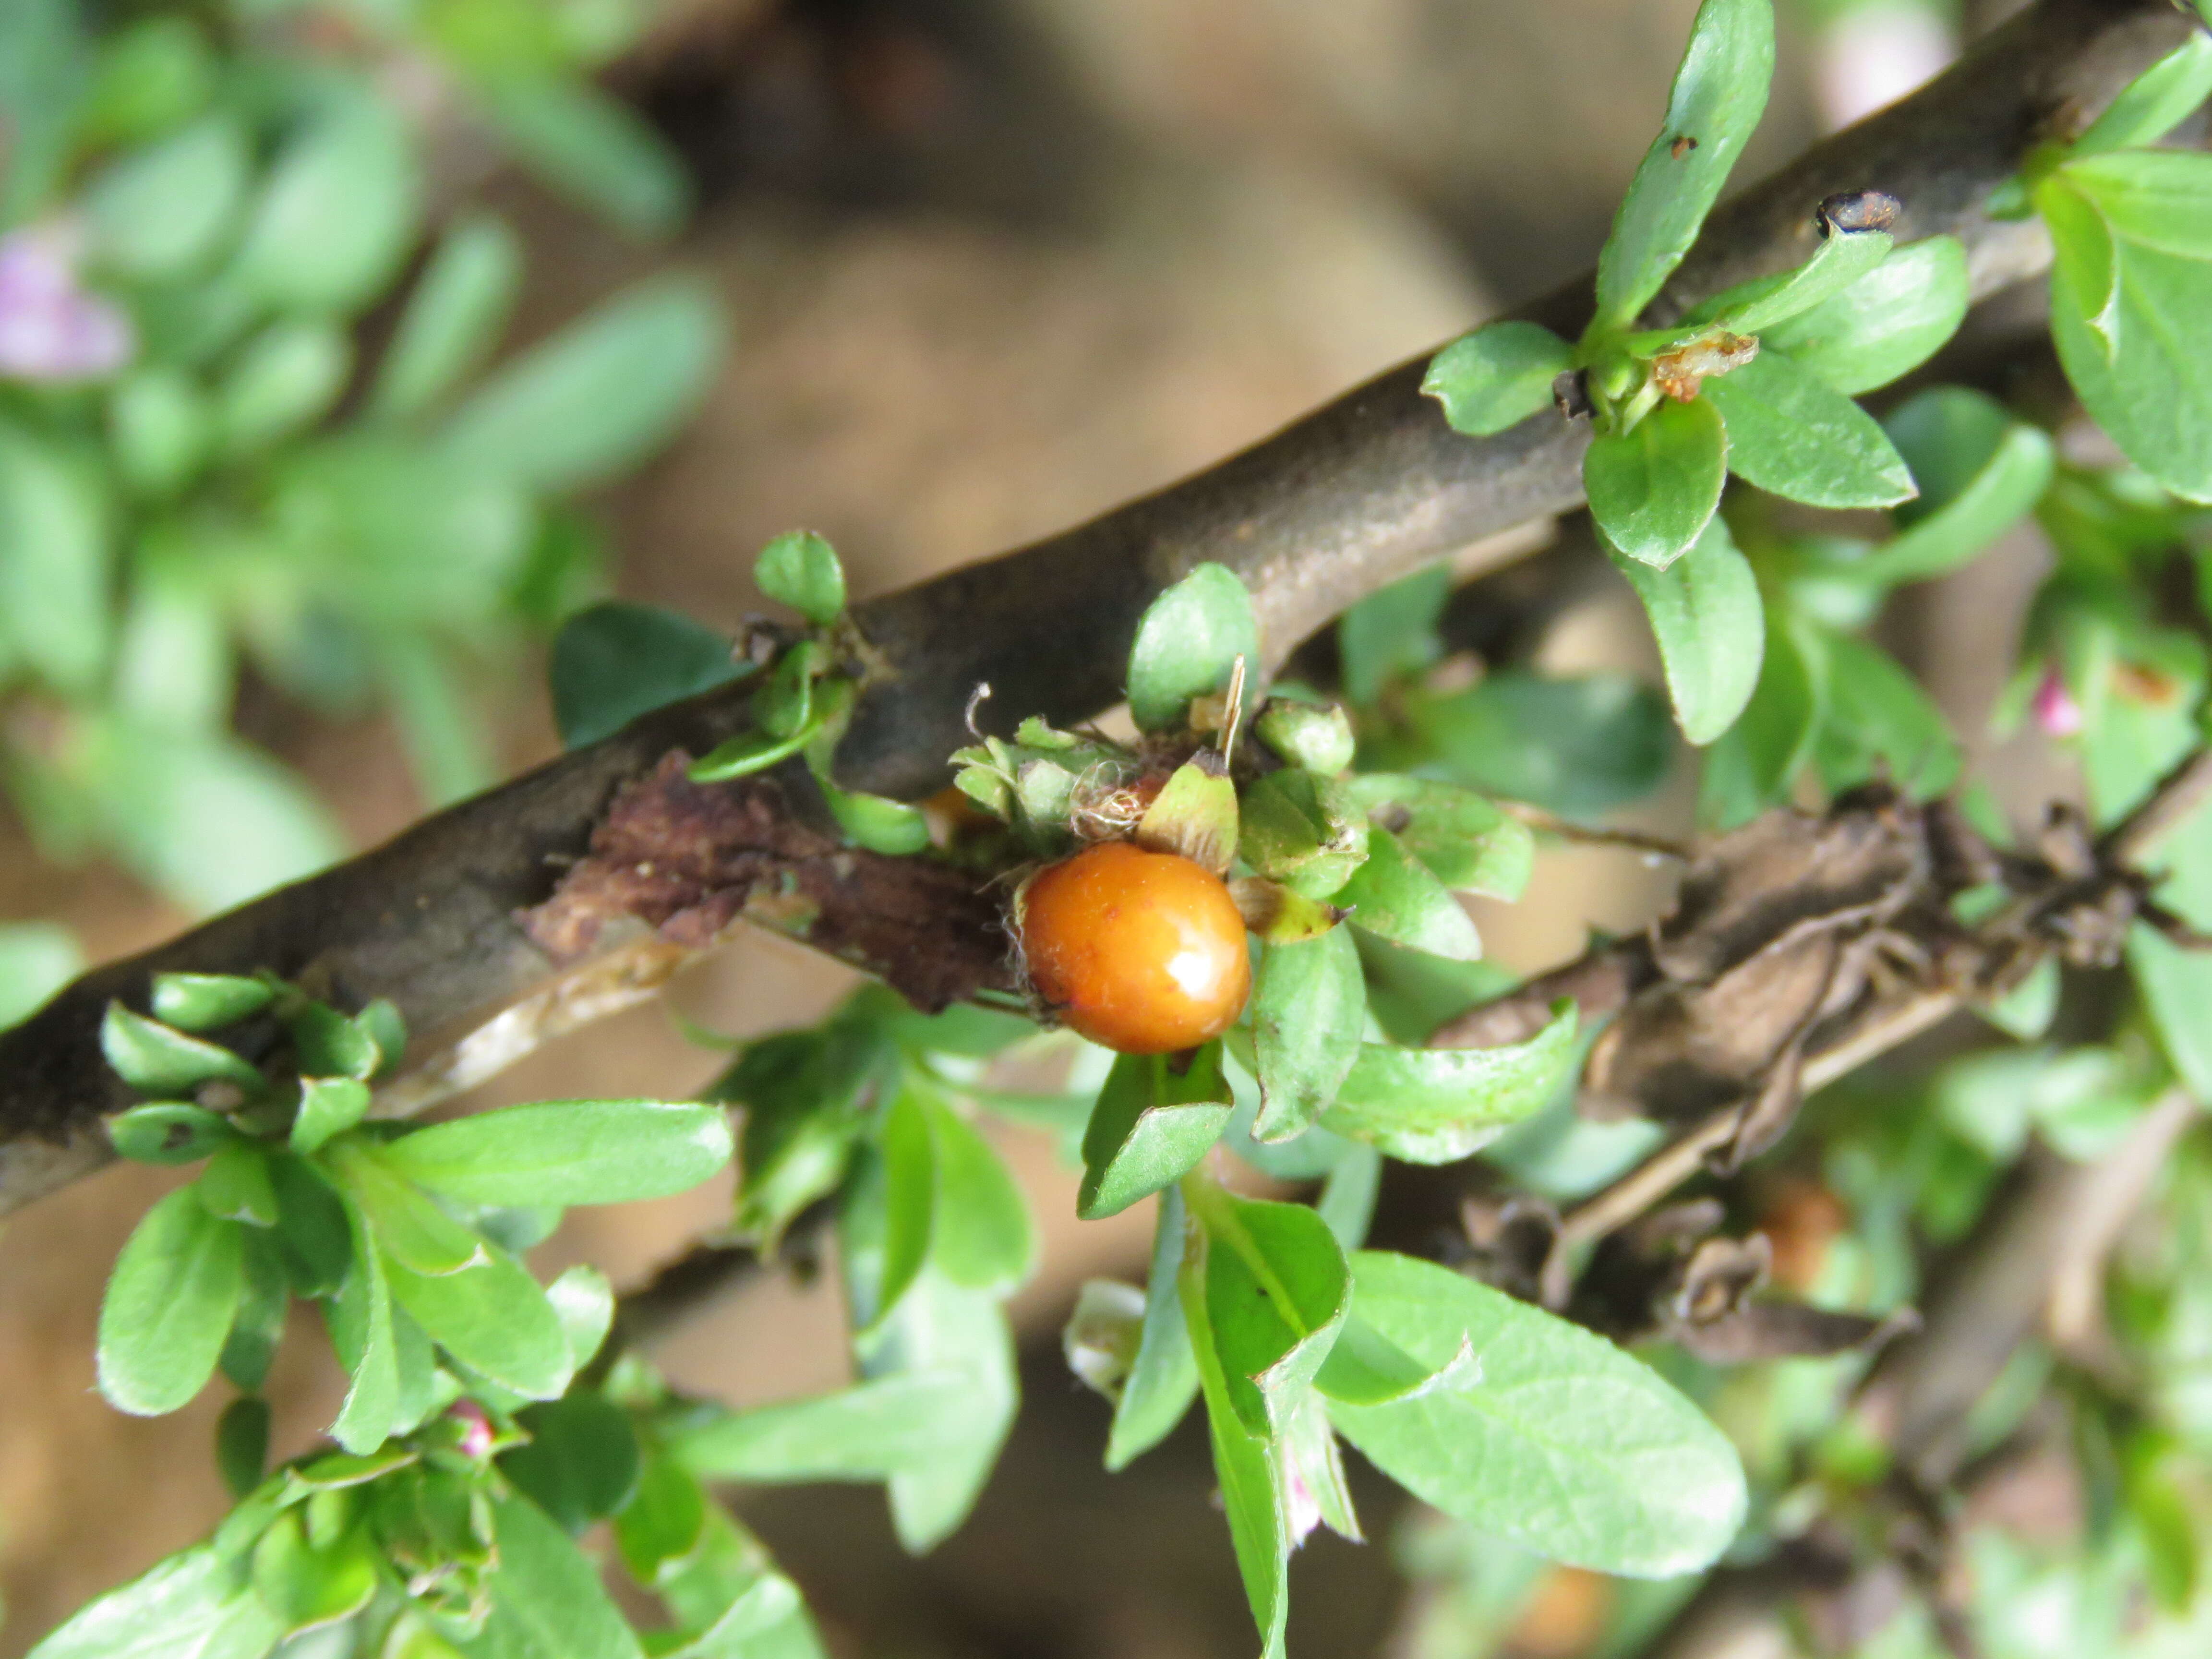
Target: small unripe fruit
{"points": [[1141, 952]]}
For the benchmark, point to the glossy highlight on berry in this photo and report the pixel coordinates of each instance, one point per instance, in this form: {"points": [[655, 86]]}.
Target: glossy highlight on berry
{"points": [[1141, 952]]}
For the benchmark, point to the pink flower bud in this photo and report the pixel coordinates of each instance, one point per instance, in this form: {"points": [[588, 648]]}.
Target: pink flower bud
{"points": [[51, 329], [2054, 706], [476, 1428]]}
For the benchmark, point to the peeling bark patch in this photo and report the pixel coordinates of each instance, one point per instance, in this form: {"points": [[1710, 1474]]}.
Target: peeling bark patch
{"points": [[690, 858]]}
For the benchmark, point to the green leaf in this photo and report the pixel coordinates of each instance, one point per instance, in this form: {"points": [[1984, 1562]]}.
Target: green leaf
{"points": [[168, 1306], [801, 1092], [207, 1002], [326, 1044], [1978, 471], [547, 1602], [411, 1230], [37, 958], [328, 1106], [1393, 896], [306, 1587], [1194, 817], [1880, 722], [264, 1299], [210, 821], [1188, 643], [1318, 739], [241, 1443], [198, 1605], [594, 150], [311, 1225], [567, 1151], [168, 1132], [494, 1319], [597, 397], [337, 215], [360, 1318], [1366, 1368], [1577, 746], [2152, 391], [614, 661], [800, 569], [1885, 324], [1349, 1192], [663, 1522], [1755, 761], [1468, 844], [149, 1056], [1258, 1528], [2155, 102], [1718, 95], [747, 753], [1162, 1380], [1843, 257], [583, 1300], [284, 378], [1565, 1445], [2159, 199], [865, 1432], [235, 1187], [980, 1237], [1392, 633], [454, 315], [1277, 1289], [580, 1464], [1498, 376], [877, 823], [908, 1154], [1790, 432], [1309, 1012], [1439, 1105], [940, 1327], [161, 430], [1653, 489], [1150, 1128], [1705, 613], [1303, 831], [55, 562], [161, 211]]}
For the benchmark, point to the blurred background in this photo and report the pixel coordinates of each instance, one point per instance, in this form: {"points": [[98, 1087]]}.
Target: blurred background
{"points": [[345, 347]]}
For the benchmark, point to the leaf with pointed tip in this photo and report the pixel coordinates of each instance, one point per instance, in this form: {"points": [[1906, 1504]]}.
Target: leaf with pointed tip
{"points": [[1439, 1105], [1162, 1379], [1792, 434], [1276, 1290], [567, 1151], [1563, 1443], [1150, 1127], [1887, 324], [1393, 896], [2155, 102]]}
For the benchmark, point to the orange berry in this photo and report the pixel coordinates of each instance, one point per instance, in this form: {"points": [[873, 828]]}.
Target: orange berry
{"points": [[1141, 952]]}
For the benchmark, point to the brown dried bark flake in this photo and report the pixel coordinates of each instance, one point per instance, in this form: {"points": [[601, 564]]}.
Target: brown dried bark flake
{"points": [[688, 859]]}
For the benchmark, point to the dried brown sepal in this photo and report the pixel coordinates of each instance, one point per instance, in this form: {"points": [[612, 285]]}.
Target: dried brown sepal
{"points": [[1681, 372]]}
